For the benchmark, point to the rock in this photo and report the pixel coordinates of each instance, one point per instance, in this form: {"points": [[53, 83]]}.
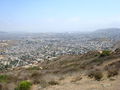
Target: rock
{"points": [[106, 85]]}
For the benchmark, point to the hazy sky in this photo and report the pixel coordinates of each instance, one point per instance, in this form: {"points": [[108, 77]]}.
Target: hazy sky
{"points": [[58, 15]]}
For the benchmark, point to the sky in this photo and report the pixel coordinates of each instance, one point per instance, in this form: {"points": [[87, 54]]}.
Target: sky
{"points": [[58, 15]]}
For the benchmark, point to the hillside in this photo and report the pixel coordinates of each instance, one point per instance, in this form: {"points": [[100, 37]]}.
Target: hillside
{"points": [[91, 71]]}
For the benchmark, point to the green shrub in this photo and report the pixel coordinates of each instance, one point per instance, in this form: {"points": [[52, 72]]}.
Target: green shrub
{"points": [[105, 53], [3, 78], [24, 85]]}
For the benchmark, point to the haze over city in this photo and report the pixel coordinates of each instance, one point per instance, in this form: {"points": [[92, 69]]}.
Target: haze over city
{"points": [[58, 15]]}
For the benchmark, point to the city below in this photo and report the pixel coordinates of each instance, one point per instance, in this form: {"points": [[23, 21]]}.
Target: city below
{"points": [[18, 50]]}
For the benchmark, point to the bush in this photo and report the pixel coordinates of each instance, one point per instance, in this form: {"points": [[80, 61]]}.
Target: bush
{"points": [[96, 74], [24, 85], [36, 74], [105, 53], [3, 78], [112, 72], [53, 83]]}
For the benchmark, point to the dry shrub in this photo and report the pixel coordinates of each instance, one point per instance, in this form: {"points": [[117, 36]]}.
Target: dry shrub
{"points": [[36, 77], [96, 74], [36, 74], [112, 72], [53, 83]]}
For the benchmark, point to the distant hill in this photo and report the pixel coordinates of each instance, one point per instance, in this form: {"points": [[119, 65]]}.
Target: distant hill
{"points": [[7, 35], [112, 33], [108, 31], [2, 32], [10, 35]]}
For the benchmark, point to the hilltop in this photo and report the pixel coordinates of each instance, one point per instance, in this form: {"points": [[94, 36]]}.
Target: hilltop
{"points": [[93, 70]]}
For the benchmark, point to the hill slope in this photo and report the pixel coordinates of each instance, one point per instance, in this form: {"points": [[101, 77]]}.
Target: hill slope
{"points": [[89, 71]]}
